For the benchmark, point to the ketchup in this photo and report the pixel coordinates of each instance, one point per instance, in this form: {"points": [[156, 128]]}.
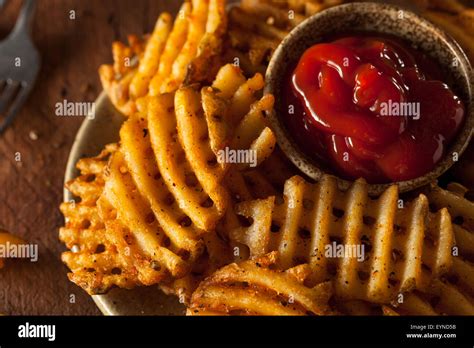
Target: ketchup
{"points": [[371, 107]]}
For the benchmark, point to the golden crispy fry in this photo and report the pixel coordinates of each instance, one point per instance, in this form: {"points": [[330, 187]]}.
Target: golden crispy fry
{"points": [[264, 145], [173, 166], [167, 206], [123, 55], [208, 60], [94, 259], [117, 90], [315, 216], [243, 185], [141, 163], [452, 294], [5, 238], [197, 56], [197, 29], [148, 64], [134, 213], [252, 288], [116, 78], [216, 255], [460, 281], [192, 128], [188, 160], [186, 50], [103, 251], [256, 27], [279, 17], [258, 183], [252, 124], [462, 213], [164, 189], [415, 304], [442, 298], [174, 44], [100, 256]]}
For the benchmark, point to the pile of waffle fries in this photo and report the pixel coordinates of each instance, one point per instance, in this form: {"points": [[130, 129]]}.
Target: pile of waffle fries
{"points": [[162, 207]]}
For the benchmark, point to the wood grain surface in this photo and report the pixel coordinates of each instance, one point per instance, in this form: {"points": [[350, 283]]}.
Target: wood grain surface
{"points": [[31, 189]]}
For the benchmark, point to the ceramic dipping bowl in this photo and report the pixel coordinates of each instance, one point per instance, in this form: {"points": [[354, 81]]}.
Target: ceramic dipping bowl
{"points": [[374, 18]]}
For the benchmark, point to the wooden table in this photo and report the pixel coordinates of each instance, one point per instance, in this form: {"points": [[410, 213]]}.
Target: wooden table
{"points": [[31, 189]]}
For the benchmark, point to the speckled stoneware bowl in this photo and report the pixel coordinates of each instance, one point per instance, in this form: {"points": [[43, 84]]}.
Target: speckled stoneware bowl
{"points": [[378, 18]]}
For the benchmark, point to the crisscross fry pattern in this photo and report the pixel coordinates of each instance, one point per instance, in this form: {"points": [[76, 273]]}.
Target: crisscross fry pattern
{"points": [[94, 258], [454, 293], [186, 49], [256, 28], [173, 152], [163, 189], [253, 288], [312, 216]]}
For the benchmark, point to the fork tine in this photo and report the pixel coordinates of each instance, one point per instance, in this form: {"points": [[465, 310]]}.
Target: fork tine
{"points": [[6, 96], [15, 106]]}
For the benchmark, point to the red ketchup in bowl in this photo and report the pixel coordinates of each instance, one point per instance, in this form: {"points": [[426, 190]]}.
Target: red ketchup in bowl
{"points": [[371, 107]]}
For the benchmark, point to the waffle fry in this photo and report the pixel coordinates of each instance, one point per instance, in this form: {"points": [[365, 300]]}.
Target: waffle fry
{"points": [[134, 213], [442, 298], [256, 27], [216, 255], [94, 259], [170, 157], [450, 295], [148, 64], [187, 49], [116, 78], [5, 238], [454, 198], [188, 160], [252, 288], [453, 293], [164, 187], [311, 217], [104, 252], [164, 208], [100, 256], [459, 283]]}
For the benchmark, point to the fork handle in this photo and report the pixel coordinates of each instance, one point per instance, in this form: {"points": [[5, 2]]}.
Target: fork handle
{"points": [[24, 23]]}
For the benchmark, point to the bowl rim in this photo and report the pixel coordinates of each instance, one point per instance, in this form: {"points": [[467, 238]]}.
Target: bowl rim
{"points": [[308, 166]]}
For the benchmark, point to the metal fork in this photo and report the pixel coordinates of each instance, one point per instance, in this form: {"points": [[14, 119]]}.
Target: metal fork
{"points": [[19, 65]]}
